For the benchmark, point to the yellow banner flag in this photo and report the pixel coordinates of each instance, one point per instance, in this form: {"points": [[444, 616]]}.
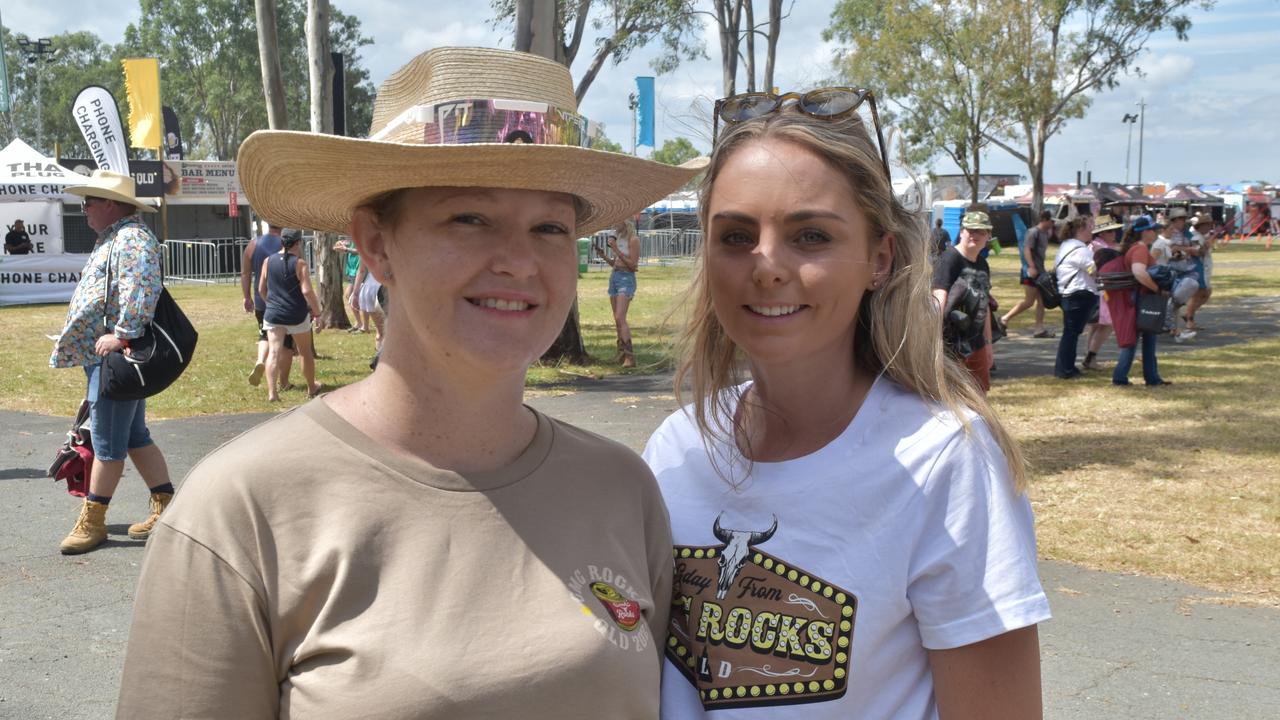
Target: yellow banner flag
{"points": [[142, 84]]}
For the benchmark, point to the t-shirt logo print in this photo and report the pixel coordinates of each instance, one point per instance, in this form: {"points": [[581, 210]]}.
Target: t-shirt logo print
{"points": [[768, 634]]}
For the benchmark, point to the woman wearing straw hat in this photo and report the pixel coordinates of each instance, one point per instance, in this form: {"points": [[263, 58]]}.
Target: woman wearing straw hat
{"points": [[422, 544], [851, 532], [1104, 250]]}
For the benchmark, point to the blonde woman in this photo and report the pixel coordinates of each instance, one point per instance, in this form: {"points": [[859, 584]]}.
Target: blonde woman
{"points": [[834, 470], [624, 258], [421, 543]]}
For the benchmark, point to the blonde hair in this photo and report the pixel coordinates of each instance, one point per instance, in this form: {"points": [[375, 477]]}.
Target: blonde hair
{"points": [[898, 332]]}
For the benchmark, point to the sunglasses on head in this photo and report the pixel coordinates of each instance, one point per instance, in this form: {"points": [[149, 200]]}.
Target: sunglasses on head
{"points": [[830, 103]]}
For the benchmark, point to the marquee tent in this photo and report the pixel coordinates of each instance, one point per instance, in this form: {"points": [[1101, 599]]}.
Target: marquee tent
{"points": [[25, 174]]}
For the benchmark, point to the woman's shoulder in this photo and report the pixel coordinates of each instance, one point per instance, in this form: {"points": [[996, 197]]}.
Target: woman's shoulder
{"points": [[909, 421]]}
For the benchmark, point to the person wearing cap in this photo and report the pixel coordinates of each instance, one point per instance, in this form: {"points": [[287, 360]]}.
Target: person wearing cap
{"points": [[1135, 258], [291, 308], [1172, 249], [17, 241], [1203, 240], [421, 543], [970, 337], [1078, 288], [1032, 252], [1104, 249], [101, 319]]}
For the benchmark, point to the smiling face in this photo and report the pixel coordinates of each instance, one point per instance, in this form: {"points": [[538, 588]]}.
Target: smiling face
{"points": [[480, 279], [789, 256]]}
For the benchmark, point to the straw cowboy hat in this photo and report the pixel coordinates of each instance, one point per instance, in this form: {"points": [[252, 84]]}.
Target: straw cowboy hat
{"points": [[112, 186], [1177, 212], [455, 117], [1105, 222]]}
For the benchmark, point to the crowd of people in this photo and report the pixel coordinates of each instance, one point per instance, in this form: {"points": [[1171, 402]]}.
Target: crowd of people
{"points": [[1100, 283]]}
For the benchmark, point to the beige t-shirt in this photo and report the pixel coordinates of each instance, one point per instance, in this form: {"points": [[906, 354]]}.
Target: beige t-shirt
{"points": [[305, 571]]}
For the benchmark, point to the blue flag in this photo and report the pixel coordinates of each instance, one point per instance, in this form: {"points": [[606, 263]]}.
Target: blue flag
{"points": [[645, 102]]}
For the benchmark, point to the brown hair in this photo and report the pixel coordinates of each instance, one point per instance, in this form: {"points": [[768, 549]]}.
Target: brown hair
{"points": [[897, 331]]}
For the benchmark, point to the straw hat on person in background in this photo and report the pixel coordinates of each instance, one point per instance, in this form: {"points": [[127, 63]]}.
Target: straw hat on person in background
{"points": [[112, 186], [456, 117], [1105, 222]]}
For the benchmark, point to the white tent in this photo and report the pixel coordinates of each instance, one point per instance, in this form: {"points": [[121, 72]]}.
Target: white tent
{"points": [[32, 188], [25, 174]]}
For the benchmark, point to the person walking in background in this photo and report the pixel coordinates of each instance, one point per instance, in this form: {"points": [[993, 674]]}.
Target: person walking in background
{"points": [[255, 254], [1104, 250], [962, 289], [939, 238], [1203, 240], [102, 318], [1078, 287], [291, 308], [624, 257], [1032, 252], [367, 292], [1135, 258], [351, 270], [17, 241]]}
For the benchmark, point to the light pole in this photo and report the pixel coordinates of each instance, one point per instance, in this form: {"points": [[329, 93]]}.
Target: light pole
{"points": [[38, 53], [633, 102], [1129, 120], [1142, 122]]}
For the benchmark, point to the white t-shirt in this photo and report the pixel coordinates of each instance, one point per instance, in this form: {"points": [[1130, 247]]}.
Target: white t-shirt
{"points": [[840, 567]]}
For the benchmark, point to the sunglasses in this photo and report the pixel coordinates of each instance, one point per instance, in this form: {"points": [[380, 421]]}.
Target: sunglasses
{"points": [[830, 103], [464, 122]]}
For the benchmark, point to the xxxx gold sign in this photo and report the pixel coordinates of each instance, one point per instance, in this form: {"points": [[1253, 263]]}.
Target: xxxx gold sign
{"points": [[748, 628]]}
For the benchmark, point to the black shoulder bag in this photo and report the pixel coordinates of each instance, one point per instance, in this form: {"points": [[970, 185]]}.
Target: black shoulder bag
{"points": [[156, 358]]}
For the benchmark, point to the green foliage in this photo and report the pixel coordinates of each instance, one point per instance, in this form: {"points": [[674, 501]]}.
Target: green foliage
{"points": [[210, 75], [602, 142], [624, 27], [80, 59], [998, 72], [946, 99], [675, 152]]}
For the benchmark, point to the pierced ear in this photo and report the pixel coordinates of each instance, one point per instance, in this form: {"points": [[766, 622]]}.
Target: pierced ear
{"points": [[372, 244], [883, 256]]}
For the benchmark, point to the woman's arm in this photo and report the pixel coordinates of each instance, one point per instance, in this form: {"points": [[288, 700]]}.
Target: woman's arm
{"points": [[200, 632], [1142, 276], [304, 280], [262, 279], [993, 679]]}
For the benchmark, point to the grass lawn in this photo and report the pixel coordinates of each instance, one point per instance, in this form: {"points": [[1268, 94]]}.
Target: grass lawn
{"points": [[1182, 483], [215, 382]]}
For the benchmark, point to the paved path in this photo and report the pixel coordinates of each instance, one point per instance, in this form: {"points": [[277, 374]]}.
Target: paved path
{"points": [[1119, 647]]}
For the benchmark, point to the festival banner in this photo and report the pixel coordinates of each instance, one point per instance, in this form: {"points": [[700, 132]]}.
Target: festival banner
{"points": [[98, 117], [42, 220], [645, 101], [142, 87], [27, 279], [146, 174], [172, 134]]}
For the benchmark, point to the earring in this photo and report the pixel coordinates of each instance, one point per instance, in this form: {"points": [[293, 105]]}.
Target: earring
{"points": [[389, 275]]}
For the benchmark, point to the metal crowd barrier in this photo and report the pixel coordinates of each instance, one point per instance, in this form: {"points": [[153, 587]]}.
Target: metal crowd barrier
{"points": [[206, 260], [661, 247]]}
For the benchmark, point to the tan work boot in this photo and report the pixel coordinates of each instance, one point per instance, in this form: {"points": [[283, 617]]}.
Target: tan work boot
{"points": [[142, 530], [90, 530]]}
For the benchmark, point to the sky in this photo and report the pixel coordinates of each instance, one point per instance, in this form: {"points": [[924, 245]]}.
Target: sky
{"points": [[1212, 103]]}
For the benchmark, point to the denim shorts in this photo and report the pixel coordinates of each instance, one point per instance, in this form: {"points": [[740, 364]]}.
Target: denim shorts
{"points": [[116, 426], [622, 282]]}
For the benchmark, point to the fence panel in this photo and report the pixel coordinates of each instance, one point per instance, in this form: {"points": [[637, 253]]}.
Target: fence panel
{"points": [[211, 260]]}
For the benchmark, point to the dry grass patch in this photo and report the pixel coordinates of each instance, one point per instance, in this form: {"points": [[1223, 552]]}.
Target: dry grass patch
{"points": [[1181, 482]]}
